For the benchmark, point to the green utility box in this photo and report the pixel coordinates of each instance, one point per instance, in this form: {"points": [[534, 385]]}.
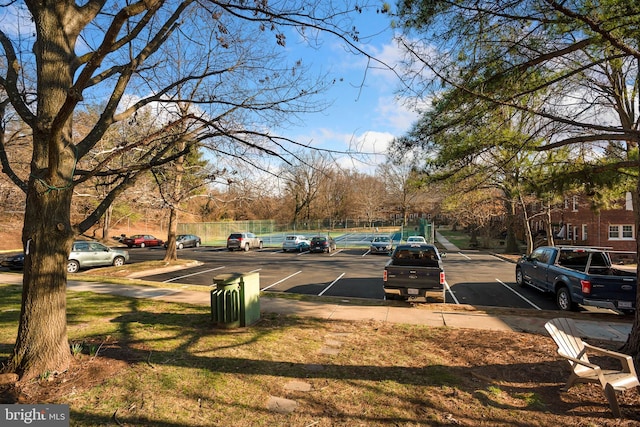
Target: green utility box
{"points": [[235, 300]]}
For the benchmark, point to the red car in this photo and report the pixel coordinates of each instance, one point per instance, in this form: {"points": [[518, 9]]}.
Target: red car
{"points": [[142, 240]]}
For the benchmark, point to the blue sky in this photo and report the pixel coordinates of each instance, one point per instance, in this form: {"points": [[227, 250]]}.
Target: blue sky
{"points": [[365, 114]]}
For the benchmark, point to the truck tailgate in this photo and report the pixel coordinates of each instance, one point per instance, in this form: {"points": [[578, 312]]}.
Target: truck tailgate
{"points": [[619, 290], [414, 277]]}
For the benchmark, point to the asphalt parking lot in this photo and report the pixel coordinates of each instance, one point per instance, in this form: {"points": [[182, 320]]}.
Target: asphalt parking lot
{"points": [[473, 277], [342, 273]]}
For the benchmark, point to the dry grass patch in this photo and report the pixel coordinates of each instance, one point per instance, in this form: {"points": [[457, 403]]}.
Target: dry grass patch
{"points": [[161, 364]]}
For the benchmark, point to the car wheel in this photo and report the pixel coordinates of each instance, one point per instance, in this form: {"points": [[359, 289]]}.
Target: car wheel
{"points": [[197, 244], [180, 246], [563, 299], [246, 247], [230, 249], [73, 266], [118, 261], [519, 277], [142, 245], [260, 245]]}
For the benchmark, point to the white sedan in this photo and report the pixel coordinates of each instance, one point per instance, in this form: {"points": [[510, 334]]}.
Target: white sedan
{"points": [[416, 239]]}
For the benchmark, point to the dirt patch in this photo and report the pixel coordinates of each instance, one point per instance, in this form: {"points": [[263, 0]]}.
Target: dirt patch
{"points": [[84, 372]]}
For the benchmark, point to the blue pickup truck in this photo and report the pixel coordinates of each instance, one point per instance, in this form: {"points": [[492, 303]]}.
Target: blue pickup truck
{"points": [[578, 276]]}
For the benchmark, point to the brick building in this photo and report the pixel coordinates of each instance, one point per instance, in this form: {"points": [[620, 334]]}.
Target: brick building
{"points": [[576, 224]]}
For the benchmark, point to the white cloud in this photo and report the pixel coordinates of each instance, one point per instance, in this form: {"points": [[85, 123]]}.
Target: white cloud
{"points": [[396, 114]]}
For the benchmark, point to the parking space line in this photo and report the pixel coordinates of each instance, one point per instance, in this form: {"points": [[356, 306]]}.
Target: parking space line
{"points": [[330, 285], [519, 294], [335, 252], [446, 286], [366, 253], [460, 253], [192, 274], [280, 281]]}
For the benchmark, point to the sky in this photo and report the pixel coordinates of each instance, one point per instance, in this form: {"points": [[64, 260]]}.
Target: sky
{"points": [[365, 113]]}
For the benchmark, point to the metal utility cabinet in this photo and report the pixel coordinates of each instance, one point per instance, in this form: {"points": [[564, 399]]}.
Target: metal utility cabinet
{"points": [[235, 300]]}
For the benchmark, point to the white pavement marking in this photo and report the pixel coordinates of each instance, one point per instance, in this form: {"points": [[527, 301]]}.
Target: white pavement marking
{"points": [[366, 253], [336, 252], [460, 253], [330, 285], [192, 274], [519, 294], [280, 281], [446, 286]]}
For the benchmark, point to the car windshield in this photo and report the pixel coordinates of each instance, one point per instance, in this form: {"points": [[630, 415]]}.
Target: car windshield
{"points": [[291, 237], [236, 236], [381, 239], [319, 239]]}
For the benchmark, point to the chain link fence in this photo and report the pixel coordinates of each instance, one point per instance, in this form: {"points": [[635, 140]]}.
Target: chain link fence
{"points": [[272, 233]]}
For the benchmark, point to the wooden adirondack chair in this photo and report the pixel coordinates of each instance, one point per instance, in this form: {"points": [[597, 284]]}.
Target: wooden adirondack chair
{"points": [[571, 347]]}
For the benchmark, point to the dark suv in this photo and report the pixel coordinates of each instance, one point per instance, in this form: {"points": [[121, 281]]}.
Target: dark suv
{"points": [[322, 244]]}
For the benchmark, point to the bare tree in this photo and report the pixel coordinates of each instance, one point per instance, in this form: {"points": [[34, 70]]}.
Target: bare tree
{"points": [[115, 51]]}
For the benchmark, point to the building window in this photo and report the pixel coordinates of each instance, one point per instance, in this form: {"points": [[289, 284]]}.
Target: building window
{"points": [[621, 232], [584, 232], [575, 204]]}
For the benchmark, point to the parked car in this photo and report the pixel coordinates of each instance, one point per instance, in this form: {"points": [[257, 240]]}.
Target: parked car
{"points": [[243, 241], [322, 244], [142, 240], [294, 242], [13, 262], [186, 241], [381, 245], [94, 254], [416, 239]]}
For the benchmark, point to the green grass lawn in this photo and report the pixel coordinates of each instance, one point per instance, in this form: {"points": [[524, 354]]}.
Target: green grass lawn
{"points": [[179, 370]]}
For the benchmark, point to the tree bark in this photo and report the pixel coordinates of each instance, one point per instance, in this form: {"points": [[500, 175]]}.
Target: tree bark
{"points": [[172, 250], [511, 244], [42, 345], [632, 346]]}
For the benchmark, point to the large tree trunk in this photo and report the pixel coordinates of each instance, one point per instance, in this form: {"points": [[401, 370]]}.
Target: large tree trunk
{"points": [[42, 344], [632, 346]]}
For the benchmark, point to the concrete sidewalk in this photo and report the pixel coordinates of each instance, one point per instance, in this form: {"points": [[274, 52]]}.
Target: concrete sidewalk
{"points": [[350, 310]]}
